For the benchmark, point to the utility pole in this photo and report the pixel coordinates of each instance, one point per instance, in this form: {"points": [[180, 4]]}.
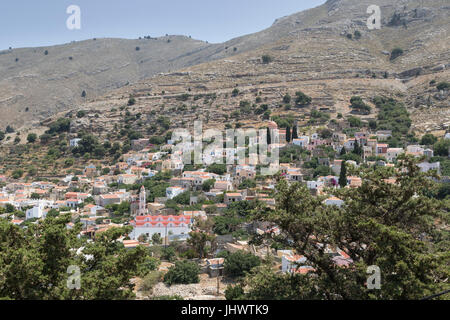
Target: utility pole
{"points": [[165, 239], [218, 284]]}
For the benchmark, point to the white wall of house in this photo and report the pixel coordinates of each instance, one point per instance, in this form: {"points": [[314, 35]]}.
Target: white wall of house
{"points": [[35, 212], [172, 192], [161, 230], [287, 264]]}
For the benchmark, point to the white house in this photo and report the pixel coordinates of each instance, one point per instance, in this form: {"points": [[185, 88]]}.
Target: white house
{"points": [[172, 192], [290, 263], [74, 142], [314, 184], [162, 225], [426, 166], [35, 212], [302, 141], [334, 201], [414, 149], [393, 153]]}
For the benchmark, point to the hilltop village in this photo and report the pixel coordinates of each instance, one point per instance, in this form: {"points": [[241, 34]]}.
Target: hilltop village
{"points": [[200, 212]]}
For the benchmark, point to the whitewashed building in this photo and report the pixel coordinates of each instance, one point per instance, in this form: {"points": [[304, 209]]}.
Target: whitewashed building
{"points": [[172, 192], [162, 225]]}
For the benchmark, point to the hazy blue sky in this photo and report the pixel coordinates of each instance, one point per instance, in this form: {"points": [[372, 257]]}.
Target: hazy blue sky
{"points": [[43, 22]]}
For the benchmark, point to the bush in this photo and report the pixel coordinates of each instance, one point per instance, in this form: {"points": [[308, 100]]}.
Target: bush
{"points": [[247, 183], [372, 124], [32, 137], [234, 292], [150, 264], [59, 126], [17, 174], [396, 52], [325, 133], [302, 99], [443, 85], [208, 184], [240, 262], [81, 114], [441, 147], [392, 116], [358, 105], [156, 238], [169, 254], [266, 59], [354, 122], [157, 140], [45, 138], [184, 272], [131, 101], [150, 280], [428, 139], [217, 168]]}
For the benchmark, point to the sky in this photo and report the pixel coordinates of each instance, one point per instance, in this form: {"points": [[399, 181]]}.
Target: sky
{"points": [[34, 23]]}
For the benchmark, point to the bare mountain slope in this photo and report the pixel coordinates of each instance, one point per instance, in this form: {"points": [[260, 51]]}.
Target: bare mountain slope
{"points": [[34, 84], [306, 46]]}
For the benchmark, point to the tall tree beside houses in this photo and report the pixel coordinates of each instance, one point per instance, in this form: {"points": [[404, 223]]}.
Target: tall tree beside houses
{"points": [[288, 134], [388, 225], [294, 132], [269, 138], [357, 149], [343, 175], [343, 152], [198, 241]]}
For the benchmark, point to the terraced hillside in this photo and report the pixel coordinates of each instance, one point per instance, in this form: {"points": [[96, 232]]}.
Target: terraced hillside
{"points": [[308, 45]]}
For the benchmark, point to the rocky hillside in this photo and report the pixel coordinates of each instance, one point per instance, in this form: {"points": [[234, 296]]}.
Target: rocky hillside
{"points": [[310, 51]]}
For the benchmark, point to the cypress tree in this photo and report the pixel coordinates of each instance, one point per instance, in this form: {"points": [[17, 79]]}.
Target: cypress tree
{"points": [[294, 133], [342, 151], [343, 175], [269, 138], [288, 134], [357, 149]]}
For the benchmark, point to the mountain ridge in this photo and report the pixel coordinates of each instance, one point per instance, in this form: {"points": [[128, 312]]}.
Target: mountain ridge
{"points": [[125, 64]]}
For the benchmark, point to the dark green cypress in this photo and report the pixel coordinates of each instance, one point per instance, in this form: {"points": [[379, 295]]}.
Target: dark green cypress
{"points": [[343, 175]]}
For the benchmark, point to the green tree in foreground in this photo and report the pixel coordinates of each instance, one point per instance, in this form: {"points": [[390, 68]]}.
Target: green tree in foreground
{"points": [[198, 240], [34, 262], [184, 272], [392, 226], [156, 238], [238, 263]]}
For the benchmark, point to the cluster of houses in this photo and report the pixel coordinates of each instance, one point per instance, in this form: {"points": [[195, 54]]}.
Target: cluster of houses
{"points": [[101, 190]]}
